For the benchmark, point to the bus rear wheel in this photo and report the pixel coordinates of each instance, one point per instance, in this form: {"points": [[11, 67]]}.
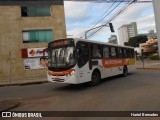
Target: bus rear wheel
{"points": [[95, 79], [125, 71]]}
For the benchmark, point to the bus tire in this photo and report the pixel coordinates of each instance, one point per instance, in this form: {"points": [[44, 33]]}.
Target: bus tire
{"points": [[125, 71], [95, 78]]}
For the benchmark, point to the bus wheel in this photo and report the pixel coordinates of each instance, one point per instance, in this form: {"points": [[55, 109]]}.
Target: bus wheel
{"points": [[125, 71], [95, 78]]}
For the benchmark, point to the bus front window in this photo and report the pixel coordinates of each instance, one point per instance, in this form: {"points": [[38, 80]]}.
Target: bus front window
{"points": [[63, 57]]}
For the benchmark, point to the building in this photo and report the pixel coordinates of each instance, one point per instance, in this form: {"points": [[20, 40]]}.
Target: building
{"points": [[127, 31], [156, 7], [150, 47], [26, 28], [113, 39], [151, 34]]}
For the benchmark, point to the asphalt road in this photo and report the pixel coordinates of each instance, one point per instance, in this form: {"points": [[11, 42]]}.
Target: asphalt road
{"points": [[139, 91]]}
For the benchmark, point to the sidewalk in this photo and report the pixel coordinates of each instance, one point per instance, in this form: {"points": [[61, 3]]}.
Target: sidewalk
{"points": [[148, 64], [23, 81]]}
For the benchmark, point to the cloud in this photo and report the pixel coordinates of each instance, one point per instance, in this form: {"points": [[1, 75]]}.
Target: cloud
{"points": [[81, 16], [146, 23], [132, 13], [141, 13], [74, 10]]}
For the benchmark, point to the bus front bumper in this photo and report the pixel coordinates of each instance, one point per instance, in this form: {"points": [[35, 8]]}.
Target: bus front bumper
{"points": [[70, 79]]}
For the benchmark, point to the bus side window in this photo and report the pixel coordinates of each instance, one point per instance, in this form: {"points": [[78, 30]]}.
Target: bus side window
{"points": [[120, 52], [96, 51], [131, 53], [125, 54], [83, 53], [106, 51], [113, 52]]}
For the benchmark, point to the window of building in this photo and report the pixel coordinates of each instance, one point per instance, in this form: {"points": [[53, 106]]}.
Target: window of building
{"points": [[37, 36], [35, 11], [96, 51], [106, 51]]}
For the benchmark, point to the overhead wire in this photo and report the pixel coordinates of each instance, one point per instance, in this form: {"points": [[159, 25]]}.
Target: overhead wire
{"points": [[114, 16], [106, 15], [84, 26], [108, 8]]}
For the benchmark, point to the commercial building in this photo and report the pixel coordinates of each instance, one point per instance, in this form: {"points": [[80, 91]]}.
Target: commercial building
{"points": [[156, 7], [127, 31], [149, 47], [26, 27]]}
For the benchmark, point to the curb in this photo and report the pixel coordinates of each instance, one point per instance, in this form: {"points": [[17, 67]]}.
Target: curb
{"points": [[149, 68], [22, 84], [9, 104]]}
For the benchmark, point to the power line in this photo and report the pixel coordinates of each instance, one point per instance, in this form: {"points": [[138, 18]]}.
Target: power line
{"points": [[106, 15], [103, 16], [96, 16], [114, 16], [84, 20]]}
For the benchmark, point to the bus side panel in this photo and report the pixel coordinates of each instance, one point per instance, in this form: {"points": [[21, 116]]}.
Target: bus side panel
{"points": [[132, 66], [84, 74], [108, 72]]}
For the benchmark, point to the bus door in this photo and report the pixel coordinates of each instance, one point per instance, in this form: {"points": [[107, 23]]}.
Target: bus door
{"points": [[83, 61]]}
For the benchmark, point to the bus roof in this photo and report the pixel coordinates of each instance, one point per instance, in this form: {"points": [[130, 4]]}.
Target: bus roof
{"points": [[97, 42]]}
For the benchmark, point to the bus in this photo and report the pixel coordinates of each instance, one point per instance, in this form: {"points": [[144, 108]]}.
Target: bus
{"points": [[75, 61]]}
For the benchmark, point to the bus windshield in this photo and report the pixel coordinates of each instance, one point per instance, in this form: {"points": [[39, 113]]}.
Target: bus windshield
{"points": [[62, 56]]}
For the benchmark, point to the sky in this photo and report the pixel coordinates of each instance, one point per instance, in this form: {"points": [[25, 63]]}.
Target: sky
{"points": [[82, 16]]}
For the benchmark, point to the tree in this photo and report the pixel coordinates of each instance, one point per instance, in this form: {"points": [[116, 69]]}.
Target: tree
{"points": [[126, 44], [135, 41]]}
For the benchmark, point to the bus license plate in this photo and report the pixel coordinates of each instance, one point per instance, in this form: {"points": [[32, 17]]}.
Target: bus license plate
{"points": [[56, 79]]}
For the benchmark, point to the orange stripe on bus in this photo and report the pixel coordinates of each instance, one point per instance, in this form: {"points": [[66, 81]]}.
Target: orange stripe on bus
{"points": [[117, 62], [61, 73]]}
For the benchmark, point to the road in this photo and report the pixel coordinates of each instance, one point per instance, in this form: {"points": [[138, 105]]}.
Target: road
{"points": [[139, 91]]}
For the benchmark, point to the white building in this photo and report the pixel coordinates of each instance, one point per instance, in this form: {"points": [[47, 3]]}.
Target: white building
{"points": [[127, 31], [113, 39], [156, 4]]}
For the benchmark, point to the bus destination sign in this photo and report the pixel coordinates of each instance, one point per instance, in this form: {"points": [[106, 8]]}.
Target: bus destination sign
{"points": [[61, 43]]}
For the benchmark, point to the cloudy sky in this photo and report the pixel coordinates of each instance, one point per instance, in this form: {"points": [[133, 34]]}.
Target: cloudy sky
{"points": [[81, 16]]}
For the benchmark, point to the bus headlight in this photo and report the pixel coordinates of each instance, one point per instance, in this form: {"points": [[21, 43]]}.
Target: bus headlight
{"points": [[72, 72]]}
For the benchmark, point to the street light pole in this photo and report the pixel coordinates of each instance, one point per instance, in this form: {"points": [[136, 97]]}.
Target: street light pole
{"points": [[110, 25], [93, 29]]}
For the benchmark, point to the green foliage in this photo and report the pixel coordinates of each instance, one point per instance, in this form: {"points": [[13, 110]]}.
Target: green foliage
{"points": [[135, 41], [126, 44]]}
